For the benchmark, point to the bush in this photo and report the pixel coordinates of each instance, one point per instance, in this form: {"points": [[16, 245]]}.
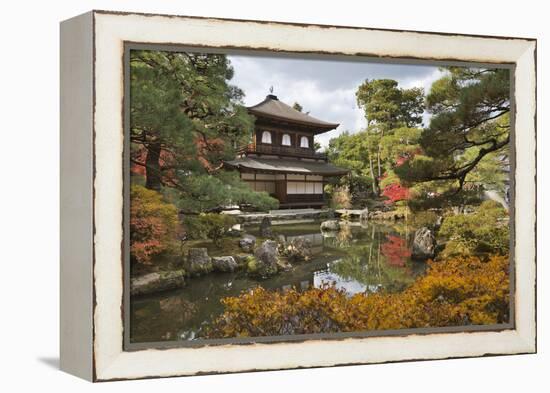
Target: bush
{"points": [[423, 218], [341, 198], [484, 232], [456, 292], [212, 226], [153, 224]]}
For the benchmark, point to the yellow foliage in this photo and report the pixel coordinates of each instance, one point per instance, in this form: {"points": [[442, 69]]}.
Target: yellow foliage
{"points": [[455, 292]]}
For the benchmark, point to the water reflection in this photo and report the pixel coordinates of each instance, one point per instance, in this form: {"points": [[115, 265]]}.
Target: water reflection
{"points": [[358, 258]]}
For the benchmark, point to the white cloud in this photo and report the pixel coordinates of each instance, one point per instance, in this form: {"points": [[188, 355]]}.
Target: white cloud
{"points": [[312, 84]]}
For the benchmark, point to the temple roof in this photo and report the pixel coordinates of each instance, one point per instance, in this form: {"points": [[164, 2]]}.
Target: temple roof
{"points": [[287, 166], [272, 108]]}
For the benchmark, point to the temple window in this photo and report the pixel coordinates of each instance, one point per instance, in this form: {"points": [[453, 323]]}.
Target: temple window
{"points": [[304, 141], [286, 140], [266, 137]]}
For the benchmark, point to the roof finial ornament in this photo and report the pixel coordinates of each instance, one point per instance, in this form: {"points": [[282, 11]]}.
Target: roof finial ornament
{"points": [[272, 96]]}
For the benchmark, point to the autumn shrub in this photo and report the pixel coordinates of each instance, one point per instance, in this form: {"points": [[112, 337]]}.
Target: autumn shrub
{"points": [[484, 232], [153, 224], [456, 292], [341, 198], [392, 189], [211, 226]]}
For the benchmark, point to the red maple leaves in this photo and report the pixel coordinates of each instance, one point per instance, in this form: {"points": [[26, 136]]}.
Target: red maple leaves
{"points": [[395, 250], [395, 192]]}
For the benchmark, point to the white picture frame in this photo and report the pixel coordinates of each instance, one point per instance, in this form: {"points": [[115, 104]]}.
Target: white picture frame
{"points": [[92, 194]]}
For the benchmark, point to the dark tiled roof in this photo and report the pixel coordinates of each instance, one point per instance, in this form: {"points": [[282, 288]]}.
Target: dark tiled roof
{"points": [[273, 108], [287, 166]]}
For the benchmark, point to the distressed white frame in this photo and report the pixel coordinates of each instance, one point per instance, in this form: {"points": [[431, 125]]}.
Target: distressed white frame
{"points": [[111, 30]]}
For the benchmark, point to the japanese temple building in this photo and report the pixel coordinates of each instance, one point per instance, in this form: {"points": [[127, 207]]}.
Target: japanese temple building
{"points": [[282, 160]]}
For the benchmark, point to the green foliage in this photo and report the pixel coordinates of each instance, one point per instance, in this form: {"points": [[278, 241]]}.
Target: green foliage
{"points": [[401, 142], [392, 115], [484, 232], [153, 224], [351, 151], [423, 218], [469, 132], [251, 264], [205, 191], [211, 226], [185, 120], [385, 103], [455, 292], [184, 97], [492, 172]]}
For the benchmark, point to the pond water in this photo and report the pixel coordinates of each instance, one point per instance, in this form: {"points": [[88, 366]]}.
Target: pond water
{"points": [[357, 259]]}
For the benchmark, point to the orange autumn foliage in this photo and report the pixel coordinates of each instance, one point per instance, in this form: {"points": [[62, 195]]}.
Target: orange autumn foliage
{"points": [[153, 224], [455, 292]]}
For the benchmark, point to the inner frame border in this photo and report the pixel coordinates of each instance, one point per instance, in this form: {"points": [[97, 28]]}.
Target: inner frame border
{"points": [[260, 52]]}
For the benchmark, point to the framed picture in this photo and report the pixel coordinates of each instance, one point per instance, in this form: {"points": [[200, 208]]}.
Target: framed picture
{"points": [[249, 195]]}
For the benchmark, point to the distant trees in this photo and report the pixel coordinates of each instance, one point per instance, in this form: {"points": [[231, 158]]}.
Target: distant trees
{"points": [[185, 119], [387, 108], [393, 115], [463, 150]]}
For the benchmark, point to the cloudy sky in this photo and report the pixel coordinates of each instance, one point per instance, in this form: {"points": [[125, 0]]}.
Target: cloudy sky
{"points": [[325, 88]]}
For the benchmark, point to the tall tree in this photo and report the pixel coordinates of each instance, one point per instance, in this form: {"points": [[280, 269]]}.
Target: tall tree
{"points": [[469, 129], [185, 119], [386, 107], [351, 151]]}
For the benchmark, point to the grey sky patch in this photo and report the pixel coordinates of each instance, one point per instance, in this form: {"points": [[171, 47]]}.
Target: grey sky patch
{"points": [[325, 88]]}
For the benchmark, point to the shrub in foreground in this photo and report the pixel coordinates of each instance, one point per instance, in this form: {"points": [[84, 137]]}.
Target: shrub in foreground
{"points": [[459, 291], [484, 232]]}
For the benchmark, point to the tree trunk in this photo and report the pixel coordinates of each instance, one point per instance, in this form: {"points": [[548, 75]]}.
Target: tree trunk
{"points": [[375, 188], [152, 167], [378, 163], [378, 154]]}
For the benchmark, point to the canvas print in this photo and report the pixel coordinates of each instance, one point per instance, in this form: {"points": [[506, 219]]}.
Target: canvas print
{"points": [[282, 196]]}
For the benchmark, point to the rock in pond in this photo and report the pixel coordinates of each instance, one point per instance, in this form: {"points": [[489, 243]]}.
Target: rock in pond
{"points": [[225, 264], [265, 261], [247, 243], [156, 282], [330, 225], [423, 244], [198, 262], [298, 249], [265, 227]]}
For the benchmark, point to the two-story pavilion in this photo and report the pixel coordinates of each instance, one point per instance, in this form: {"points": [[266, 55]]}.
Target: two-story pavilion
{"points": [[281, 159]]}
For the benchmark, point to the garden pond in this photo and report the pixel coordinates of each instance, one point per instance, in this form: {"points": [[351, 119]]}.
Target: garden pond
{"points": [[359, 258]]}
